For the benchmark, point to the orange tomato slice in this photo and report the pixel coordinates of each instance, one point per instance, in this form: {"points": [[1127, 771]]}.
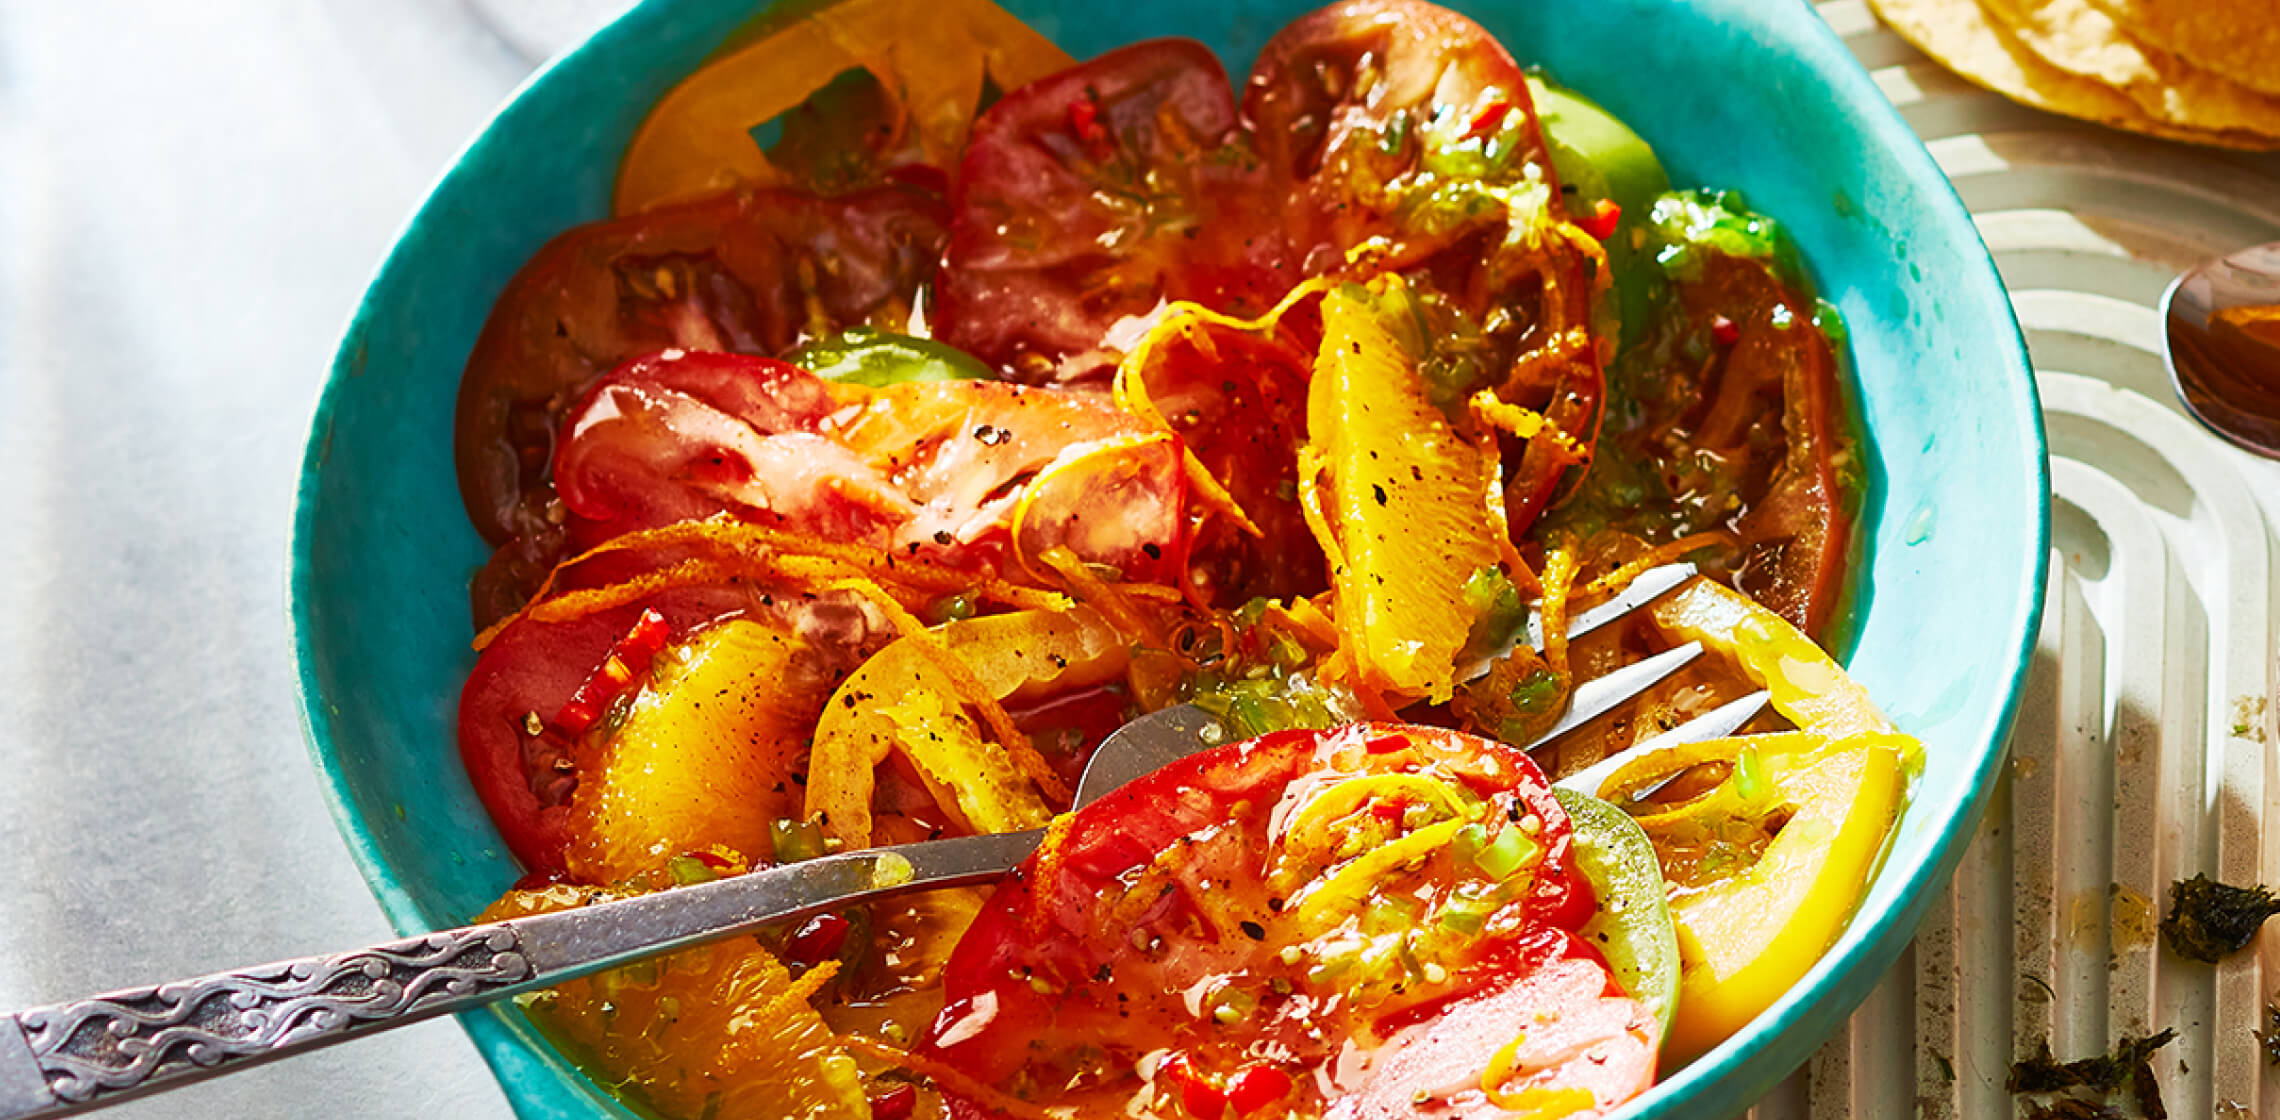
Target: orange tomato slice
{"points": [[934, 56]]}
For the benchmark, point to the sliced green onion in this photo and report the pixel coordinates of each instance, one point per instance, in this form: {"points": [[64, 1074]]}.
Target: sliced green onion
{"points": [[1536, 692], [1511, 851], [688, 871], [954, 607], [795, 840], [1749, 775]]}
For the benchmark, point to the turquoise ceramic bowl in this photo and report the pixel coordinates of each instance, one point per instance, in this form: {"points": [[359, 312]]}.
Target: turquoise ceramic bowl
{"points": [[1754, 94]]}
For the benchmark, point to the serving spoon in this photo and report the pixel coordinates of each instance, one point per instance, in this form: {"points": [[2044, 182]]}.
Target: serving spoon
{"points": [[71, 1057], [2221, 344]]}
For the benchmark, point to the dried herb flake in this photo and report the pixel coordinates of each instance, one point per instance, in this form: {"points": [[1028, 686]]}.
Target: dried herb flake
{"points": [[2209, 920], [2081, 1086]]}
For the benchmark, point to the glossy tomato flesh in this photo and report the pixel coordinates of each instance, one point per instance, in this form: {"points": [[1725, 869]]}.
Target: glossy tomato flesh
{"points": [[1094, 194], [523, 764], [680, 435], [1161, 958], [751, 272]]}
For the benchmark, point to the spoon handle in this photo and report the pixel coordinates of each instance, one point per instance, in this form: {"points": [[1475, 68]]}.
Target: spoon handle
{"points": [[71, 1057]]}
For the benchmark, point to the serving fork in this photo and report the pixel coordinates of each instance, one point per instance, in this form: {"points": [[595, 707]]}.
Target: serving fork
{"points": [[65, 1058]]}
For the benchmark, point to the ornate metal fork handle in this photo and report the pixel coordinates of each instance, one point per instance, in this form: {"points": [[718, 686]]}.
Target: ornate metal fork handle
{"points": [[90, 1052], [70, 1057], [85, 1054]]}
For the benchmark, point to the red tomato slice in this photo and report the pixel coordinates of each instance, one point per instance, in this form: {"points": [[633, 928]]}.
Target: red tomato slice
{"points": [[680, 435], [532, 669], [749, 272], [1239, 403], [1348, 100], [945, 469], [1093, 194], [1245, 930], [1770, 411]]}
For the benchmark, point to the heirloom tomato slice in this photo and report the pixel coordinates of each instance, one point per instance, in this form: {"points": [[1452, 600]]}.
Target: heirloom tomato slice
{"points": [[1095, 194], [752, 272], [1375, 921], [523, 762]]}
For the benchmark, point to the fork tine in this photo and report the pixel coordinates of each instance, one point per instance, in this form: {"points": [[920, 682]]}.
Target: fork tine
{"points": [[1717, 723], [1600, 695], [1183, 729], [1645, 588]]}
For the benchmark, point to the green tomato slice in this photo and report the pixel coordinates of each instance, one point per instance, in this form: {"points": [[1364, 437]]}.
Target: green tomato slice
{"points": [[1601, 158], [863, 356], [1633, 928]]}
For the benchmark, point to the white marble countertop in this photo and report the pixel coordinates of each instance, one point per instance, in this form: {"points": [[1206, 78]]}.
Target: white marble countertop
{"points": [[192, 196]]}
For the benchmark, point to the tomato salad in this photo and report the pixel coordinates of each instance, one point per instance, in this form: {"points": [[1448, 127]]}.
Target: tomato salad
{"points": [[922, 416]]}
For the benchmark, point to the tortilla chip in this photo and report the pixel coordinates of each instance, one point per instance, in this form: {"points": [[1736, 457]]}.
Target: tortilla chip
{"points": [[2235, 39], [1963, 38], [2078, 37]]}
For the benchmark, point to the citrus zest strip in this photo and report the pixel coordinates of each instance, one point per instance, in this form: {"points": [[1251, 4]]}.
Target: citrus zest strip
{"points": [[749, 543], [1050, 857], [1492, 477], [1660, 555], [783, 1003], [1560, 564], [969, 688], [1107, 598], [1491, 410], [1530, 1102], [1130, 387], [578, 604]]}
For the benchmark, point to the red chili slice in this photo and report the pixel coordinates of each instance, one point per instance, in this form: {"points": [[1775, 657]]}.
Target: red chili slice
{"points": [[619, 669]]}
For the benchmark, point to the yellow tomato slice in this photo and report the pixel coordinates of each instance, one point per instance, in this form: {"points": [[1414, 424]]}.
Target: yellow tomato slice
{"points": [[899, 701], [1755, 913], [1808, 686], [1745, 939], [933, 55]]}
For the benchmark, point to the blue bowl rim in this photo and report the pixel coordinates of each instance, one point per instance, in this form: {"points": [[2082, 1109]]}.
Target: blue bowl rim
{"points": [[1873, 939]]}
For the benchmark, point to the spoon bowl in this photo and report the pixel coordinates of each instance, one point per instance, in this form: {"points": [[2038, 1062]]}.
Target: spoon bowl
{"points": [[2221, 345]]}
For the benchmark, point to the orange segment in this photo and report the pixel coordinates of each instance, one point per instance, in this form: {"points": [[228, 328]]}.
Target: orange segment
{"points": [[705, 757], [1406, 516], [720, 1031]]}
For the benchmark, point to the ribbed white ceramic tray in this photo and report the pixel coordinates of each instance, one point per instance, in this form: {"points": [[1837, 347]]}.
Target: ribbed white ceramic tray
{"points": [[2145, 747]]}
